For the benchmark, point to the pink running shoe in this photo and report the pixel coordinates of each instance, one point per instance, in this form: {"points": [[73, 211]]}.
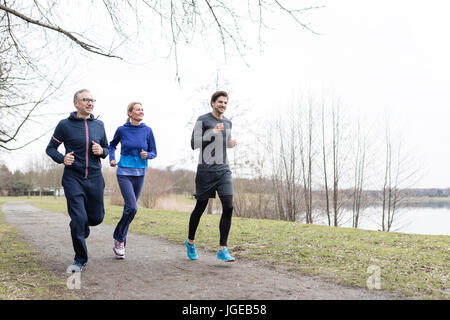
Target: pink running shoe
{"points": [[119, 250]]}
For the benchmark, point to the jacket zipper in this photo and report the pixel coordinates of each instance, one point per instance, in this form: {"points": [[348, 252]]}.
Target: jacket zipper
{"points": [[87, 148]]}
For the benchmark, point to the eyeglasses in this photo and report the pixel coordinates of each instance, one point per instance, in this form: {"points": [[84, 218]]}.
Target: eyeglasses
{"points": [[88, 100]]}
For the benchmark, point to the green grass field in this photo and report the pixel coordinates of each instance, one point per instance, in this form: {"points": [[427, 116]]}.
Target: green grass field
{"points": [[411, 265]]}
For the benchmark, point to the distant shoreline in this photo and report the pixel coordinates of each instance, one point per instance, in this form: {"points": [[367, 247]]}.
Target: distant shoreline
{"points": [[428, 199]]}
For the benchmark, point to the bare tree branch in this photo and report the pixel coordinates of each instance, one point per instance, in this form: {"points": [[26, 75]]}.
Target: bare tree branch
{"points": [[291, 13], [84, 45]]}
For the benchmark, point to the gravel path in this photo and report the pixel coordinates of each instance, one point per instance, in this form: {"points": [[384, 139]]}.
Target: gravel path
{"points": [[157, 269]]}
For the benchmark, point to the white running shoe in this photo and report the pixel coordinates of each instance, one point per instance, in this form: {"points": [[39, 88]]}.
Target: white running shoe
{"points": [[119, 250], [75, 267]]}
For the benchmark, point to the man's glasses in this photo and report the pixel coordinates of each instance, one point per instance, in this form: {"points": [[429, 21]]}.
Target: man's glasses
{"points": [[88, 100]]}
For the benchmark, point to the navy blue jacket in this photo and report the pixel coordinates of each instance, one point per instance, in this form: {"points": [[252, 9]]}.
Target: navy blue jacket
{"points": [[77, 135]]}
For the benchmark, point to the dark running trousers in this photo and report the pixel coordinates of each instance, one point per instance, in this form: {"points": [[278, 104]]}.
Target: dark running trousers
{"points": [[85, 207], [130, 187], [225, 219]]}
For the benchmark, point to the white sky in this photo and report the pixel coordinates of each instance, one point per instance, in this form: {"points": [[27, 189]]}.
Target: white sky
{"points": [[376, 56]]}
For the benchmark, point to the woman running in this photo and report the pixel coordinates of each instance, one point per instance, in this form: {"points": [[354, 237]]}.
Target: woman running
{"points": [[137, 145]]}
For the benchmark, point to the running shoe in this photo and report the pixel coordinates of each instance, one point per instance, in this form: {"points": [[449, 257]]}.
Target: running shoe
{"points": [[224, 255], [74, 267], [119, 249], [191, 252]]}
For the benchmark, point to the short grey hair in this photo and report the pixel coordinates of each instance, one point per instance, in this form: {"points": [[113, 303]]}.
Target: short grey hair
{"points": [[77, 94]]}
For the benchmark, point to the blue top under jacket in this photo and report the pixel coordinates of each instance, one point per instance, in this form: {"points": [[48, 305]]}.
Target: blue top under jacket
{"points": [[133, 139]]}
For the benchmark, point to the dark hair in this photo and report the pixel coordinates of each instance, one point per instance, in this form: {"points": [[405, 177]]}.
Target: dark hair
{"points": [[218, 94]]}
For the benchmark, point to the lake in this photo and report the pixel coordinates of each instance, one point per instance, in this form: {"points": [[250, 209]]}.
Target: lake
{"points": [[432, 218]]}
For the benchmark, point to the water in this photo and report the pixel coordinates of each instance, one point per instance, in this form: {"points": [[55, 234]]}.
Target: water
{"points": [[421, 217], [430, 219]]}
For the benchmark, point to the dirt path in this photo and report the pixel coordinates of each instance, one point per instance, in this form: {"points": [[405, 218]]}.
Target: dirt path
{"points": [[158, 269]]}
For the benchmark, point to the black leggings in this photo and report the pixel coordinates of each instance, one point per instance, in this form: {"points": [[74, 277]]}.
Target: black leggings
{"points": [[225, 220]]}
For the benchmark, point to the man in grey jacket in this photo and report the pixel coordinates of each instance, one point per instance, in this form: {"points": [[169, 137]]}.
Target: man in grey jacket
{"points": [[212, 135]]}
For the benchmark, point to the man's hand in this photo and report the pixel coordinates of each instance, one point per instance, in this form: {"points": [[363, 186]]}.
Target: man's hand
{"points": [[69, 159], [143, 154], [218, 128], [97, 149], [232, 143], [113, 163]]}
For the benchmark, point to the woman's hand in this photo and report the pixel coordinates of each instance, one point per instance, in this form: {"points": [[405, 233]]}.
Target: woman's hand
{"points": [[112, 163], [143, 154]]}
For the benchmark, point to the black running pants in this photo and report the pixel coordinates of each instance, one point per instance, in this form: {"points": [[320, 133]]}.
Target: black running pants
{"points": [[225, 220]]}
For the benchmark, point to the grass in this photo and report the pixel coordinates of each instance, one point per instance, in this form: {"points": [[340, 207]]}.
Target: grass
{"points": [[22, 274], [411, 265]]}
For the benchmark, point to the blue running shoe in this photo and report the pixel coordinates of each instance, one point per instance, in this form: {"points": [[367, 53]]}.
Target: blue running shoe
{"points": [[191, 252], [224, 255]]}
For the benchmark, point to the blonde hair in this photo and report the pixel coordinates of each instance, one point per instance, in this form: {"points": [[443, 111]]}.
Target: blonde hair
{"points": [[131, 107]]}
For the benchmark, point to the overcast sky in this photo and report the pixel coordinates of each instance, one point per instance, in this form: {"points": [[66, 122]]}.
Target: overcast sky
{"points": [[376, 56]]}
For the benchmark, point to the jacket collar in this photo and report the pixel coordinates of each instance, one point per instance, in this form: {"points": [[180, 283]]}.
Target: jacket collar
{"points": [[73, 116], [128, 124]]}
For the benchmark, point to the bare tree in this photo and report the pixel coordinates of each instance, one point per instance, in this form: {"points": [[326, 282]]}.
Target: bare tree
{"points": [[359, 176], [5, 180], [26, 82], [273, 151], [341, 146], [336, 137], [254, 196], [286, 174], [324, 158], [290, 146], [32, 32], [288, 160], [399, 173], [156, 185], [305, 141]]}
